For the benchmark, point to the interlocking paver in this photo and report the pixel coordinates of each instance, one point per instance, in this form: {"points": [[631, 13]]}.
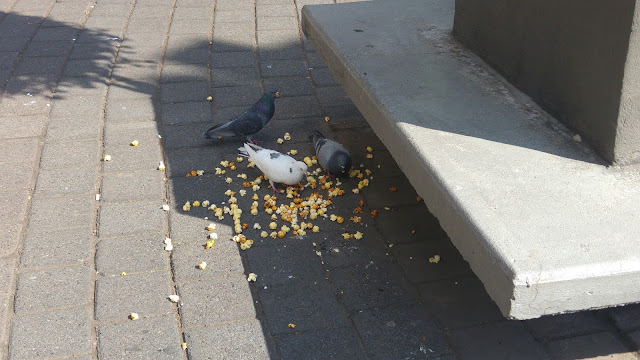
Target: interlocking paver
{"points": [[73, 129], [271, 10], [626, 317], [273, 68], [143, 293], [414, 258], [63, 247], [69, 153], [290, 86], [131, 254], [591, 346], [132, 158], [232, 59], [16, 176], [9, 239], [187, 228], [251, 345], [54, 288], [52, 333], [297, 107], [127, 186], [49, 48], [236, 96], [7, 275], [566, 325], [18, 150], [234, 77], [122, 134], [13, 205], [130, 218], [245, 15], [223, 259], [62, 212], [153, 338], [179, 113], [78, 107], [67, 181], [338, 344], [185, 91], [183, 73]]}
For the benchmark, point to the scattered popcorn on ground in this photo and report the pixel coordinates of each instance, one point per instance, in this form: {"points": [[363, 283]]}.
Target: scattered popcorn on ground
{"points": [[292, 326], [134, 316], [134, 143], [202, 265], [209, 244], [161, 165], [174, 298], [434, 259], [279, 141], [107, 158], [252, 277]]}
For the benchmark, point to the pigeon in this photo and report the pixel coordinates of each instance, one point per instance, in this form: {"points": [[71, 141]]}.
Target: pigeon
{"points": [[276, 166], [249, 122], [332, 156]]}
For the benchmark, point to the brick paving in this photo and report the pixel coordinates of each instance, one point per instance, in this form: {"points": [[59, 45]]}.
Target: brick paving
{"points": [[80, 79]]}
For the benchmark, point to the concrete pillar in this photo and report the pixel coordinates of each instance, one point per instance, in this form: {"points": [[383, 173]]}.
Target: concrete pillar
{"points": [[578, 59]]}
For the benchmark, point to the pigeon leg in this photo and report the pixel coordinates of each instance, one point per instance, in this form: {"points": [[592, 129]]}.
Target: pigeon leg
{"points": [[273, 186], [253, 140]]}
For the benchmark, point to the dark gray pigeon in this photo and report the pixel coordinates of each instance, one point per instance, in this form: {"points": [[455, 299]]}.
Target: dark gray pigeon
{"points": [[332, 156], [249, 122]]}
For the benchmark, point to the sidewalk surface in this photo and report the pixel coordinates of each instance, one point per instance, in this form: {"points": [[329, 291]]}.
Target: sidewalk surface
{"points": [[81, 79]]}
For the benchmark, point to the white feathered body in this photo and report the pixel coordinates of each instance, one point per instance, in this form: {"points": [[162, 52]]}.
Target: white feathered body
{"points": [[278, 167]]}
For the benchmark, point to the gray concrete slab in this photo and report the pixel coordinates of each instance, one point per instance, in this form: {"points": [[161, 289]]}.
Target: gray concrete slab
{"points": [[544, 224]]}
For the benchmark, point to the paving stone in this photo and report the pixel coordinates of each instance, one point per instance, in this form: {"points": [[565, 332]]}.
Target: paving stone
{"points": [[396, 225], [337, 252], [179, 113], [131, 218], [311, 305], [272, 10], [345, 117], [459, 303], [296, 262], [634, 337], [374, 286], [73, 129], [277, 23], [122, 134], [250, 345], [57, 33], [273, 39], [61, 213], [592, 346], [185, 227], [136, 70], [565, 325], [110, 10], [290, 86], [190, 26], [234, 77], [206, 159], [98, 51], [297, 107], [230, 16], [13, 205], [9, 239], [67, 181], [236, 96], [199, 55], [184, 73], [324, 77], [153, 338], [232, 42], [131, 254], [155, 32], [152, 10], [127, 186], [378, 194], [64, 247], [18, 150], [40, 65], [7, 275], [185, 135], [128, 89], [414, 258], [239, 29], [298, 128], [16, 176], [399, 333], [48, 48], [336, 344], [48, 289], [193, 13], [274, 68], [74, 153], [315, 61], [234, 4], [13, 43], [102, 27], [132, 158], [232, 59], [223, 259], [49, 334], [503, 340], [290, 50], [626, 317], [185, 92], [143, 293], [97, 69], [130, 110], [216, 300], [78, 107]]}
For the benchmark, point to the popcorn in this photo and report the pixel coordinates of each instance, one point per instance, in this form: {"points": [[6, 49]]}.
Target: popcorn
{"points": [[393, 189], [292, 326], [434, 259], [264, 234], [211, 227], [315, 229], [279, 141], [213, 236], [256, 187], [273, 235], [307, 160], [252, 277], [346, 236], [228, 180], [293, 152], [243, 192], [97, 197], [369, 149], [174, 298], [355, 191], [134, 316], [200, 172], [577, 138], [257, 226], [224, 163], [280, 234], [418, 199], [209, 244], [161, 165], [242, 176], [287, 136], [254, 211], [186, 206], [166, 207], [202, 265], [124, 273], [209, 98], [184, 345], [357, 235], [196, 203], [374, 213], [246, 245], [134, 143], [339, 219], [218, 171], [107, 158], [239, 159], [205, 203], [369, 156], [255, 197], [327, 119], [273, 225]]}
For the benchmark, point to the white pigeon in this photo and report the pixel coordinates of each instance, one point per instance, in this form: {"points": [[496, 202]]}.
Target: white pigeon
{"points": [[278, 167]]}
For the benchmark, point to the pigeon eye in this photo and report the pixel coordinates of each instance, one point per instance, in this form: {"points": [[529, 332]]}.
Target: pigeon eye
{"points": [[291, 170]]}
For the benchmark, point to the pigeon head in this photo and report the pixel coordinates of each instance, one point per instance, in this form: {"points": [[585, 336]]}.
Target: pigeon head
{"points": [[272, 94], [299, 170]]}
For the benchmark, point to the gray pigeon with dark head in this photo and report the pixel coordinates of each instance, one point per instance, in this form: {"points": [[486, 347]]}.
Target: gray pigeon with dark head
{"points": [[249, 122], [332, 156]]}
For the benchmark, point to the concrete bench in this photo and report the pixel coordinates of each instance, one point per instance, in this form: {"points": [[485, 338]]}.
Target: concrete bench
{"points": [[544, 223]]}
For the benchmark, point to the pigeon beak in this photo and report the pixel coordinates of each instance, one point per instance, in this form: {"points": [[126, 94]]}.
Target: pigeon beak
{"points": [[277, 94]]}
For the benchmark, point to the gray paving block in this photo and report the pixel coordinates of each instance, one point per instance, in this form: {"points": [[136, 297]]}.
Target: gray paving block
{"points": [[188, 228], [277, 10], [503, 340], [337, 252], [290, 86], [414, 259], [379, 195], [132, 158], [131, 254], [102, 51], [184, 72], [102, 28], [185, 92], [315, 61], [40, 65], [182, 161], [13, 205], [153, 338], [179, 113], [207, 187], [97, 69], [460, 302], [184, 135], [73, 153], [54, 288], [118, 219], [231, 16], [274, 39], [239, 29], [327, 344], [634, 337], [297, 107], [590, 346], [234, 77], [290, 50], [286, 261], [277, 23], [274, 68], [63, 247], [49, 48], [234, 4], [67, 181], [122, 110], [57, 33], [17, 176], [18, 150], [626, 317], [298, 128], [231, 41], [155, 31], [73, 86], [236, 96], [143, 293], [143, 71], [397, 224], [190, 26], [37, 104], [310, 305], [73, 129], [193, 13], [565, 325], [372, 286], [223, 259], [345, 117], [7, 275], [111, 10], [251, 344], [127, 186], [9, 239], [232, 59], [13, 43], [324, 77], [78, 107], [61, 213], [399, 333], [122, 134], [199, 55], [213, 301], [127, 89], [53, 333]]}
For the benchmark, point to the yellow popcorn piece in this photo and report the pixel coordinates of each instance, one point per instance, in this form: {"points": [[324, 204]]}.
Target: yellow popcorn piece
{"points": [[356, 191], [292, 326], [229, 192], [333, 217], [369, 156], [434, 259], [252, 277], [134, 143], [255, 197], [246, 245], [123, 273], [287, 136], [184, 345], [161, 165], [211, 227], [264, 234], [224, 163], [251, 164], [357, 235], [315, 229], [239, 159], [273, 235], [107, 158], [232, 167], [202, 265], [134, 316], [209, 98], [228, 180], [174, 298], [327, 119], [186, 206], [279, 141], [257, 226], [254, 211], [243, 192], [168, 247], [196, 203], [213, 236], [242, 176], [199, 172], [218, 171], [209, 244], [273, 225], [205, 203], [369, 149], [346, 236], [293, 152]]}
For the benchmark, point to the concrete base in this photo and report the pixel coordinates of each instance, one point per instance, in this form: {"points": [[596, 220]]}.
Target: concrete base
{"points": [[545, 225]]}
